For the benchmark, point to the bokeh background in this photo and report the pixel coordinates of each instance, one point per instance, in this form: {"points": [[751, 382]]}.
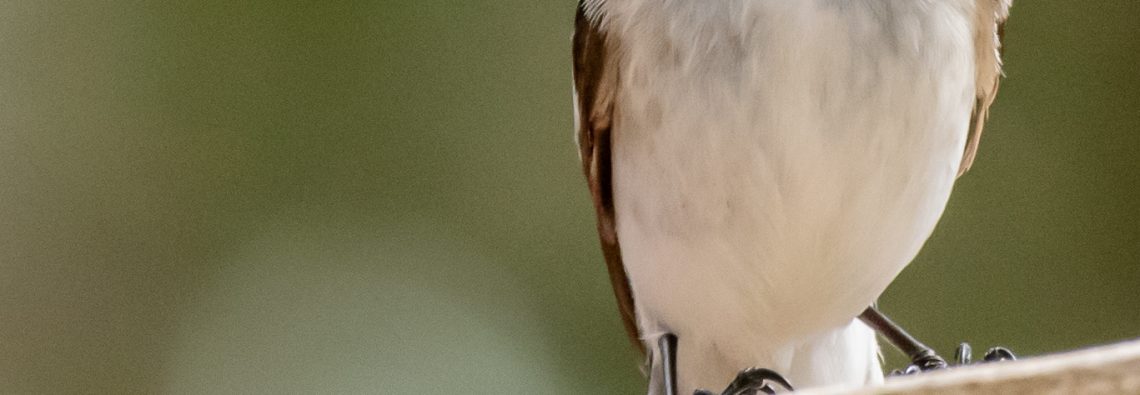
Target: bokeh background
{"points": [[383, 197]]}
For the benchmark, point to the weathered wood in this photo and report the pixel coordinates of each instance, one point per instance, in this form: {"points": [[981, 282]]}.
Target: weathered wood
{"points": [[1110, 369]]}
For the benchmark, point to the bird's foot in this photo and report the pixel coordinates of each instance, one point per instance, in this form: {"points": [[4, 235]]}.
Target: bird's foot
{"points": [[753, 381], [962, 356]]}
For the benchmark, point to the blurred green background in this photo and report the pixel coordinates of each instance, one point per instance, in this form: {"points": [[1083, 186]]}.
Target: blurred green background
{"points": [[384, 197]]}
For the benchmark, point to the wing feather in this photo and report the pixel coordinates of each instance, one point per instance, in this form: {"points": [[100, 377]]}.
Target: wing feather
{"points": [[595, 83], [989, 29]]}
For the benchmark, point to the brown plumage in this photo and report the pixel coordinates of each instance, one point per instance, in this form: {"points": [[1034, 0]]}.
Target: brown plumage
{"points": [[595, 80], [989, 34]]}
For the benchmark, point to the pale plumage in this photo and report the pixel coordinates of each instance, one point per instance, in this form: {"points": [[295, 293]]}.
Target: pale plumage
{"points": [[769, 166]]}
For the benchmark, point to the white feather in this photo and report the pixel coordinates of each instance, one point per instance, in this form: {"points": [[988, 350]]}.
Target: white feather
{"points": [[776, 164]]}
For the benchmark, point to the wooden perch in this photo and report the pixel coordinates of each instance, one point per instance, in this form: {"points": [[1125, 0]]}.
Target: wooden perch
{"points": [[1110, 369]]}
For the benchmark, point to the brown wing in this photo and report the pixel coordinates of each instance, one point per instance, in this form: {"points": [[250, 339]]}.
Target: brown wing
{"points": [[595, 82], [989, 29]]}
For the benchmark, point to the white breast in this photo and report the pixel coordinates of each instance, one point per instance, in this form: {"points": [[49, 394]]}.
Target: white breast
{"points": [[777, 163]]}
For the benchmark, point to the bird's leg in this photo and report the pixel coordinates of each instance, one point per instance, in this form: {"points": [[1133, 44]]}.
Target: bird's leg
{"points": [[922, 357], [753, 381], [667, 345], [748, 382]]}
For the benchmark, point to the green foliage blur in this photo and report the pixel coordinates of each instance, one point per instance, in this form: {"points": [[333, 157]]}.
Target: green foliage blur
{"points": [[384, 197]]}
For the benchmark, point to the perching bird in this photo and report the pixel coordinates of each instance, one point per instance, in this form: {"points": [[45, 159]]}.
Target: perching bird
{"points": [[763, 169]]}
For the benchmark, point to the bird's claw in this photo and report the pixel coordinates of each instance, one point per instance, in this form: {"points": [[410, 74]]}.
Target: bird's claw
{"points": [[962, 356], [753, 381], [998, 354]]}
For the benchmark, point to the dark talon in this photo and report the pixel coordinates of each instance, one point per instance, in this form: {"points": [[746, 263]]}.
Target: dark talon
{"points": [[756, 380], [962, 355], [909, 370], [928, 360], [999, 354]]}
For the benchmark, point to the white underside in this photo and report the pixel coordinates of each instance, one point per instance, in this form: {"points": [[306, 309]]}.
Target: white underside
{"points": [[776, 164]]}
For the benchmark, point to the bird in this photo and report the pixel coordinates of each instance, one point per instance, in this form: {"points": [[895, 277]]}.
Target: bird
{"points": [[761, 170]]}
